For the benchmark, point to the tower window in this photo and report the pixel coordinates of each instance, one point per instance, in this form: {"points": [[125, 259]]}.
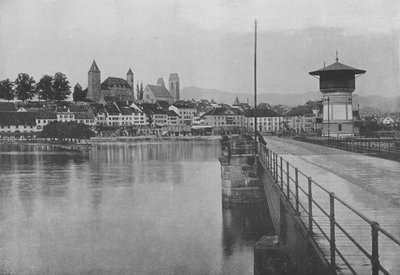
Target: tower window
{"points": [[339, 127]]}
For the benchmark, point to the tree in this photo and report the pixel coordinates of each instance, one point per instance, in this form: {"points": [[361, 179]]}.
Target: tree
{"points": [[139, 91], [7, 89], [78, 94], [25, 87], [44, 88], [61, 87], [63, 130]]}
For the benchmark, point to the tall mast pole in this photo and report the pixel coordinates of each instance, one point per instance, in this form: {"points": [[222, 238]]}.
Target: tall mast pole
{"points": [[255, 88]]}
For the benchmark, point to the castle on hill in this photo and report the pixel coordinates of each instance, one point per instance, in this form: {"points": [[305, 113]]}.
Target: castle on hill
{"points": [[123, 89], [119, 88]]}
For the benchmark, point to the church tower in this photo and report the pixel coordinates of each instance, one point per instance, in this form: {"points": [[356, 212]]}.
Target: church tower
{"points": [[174, 87], [93, 82], [130, 79]]}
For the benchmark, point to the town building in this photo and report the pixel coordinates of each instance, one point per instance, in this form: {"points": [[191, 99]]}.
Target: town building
{"points": [[268, 121], [43, 118], [224, 120], [301, 119], [17, 123], [185, 110], [157, 116]]}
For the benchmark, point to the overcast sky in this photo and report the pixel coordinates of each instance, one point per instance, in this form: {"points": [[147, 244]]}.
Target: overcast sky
{"points": [[208, 42]]}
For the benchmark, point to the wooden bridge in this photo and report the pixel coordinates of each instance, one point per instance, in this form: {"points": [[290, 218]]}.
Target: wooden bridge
{"points": [[347, 203], [356, 227]]}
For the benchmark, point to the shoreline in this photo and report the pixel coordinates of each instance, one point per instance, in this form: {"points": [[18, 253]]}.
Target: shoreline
{"points": [[86, 146], [151, 138]]}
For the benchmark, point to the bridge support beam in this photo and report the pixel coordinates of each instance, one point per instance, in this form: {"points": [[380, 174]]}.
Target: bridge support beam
{"points": [[269, 257]]}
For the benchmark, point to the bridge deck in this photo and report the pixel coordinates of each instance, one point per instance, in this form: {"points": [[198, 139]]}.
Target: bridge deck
{"points": [[370, 185]]}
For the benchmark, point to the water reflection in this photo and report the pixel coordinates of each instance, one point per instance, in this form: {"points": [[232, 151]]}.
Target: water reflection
{"points": [[244, 225], [151, 208]]}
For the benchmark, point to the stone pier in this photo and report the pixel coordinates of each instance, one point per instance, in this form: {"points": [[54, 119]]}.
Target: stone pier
{"points": [[239, 180]]}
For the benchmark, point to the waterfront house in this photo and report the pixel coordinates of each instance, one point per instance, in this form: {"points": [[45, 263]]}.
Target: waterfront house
{"points": [[185, 110], [268, 121], [17, 123], [44, 117], [224, 119]]}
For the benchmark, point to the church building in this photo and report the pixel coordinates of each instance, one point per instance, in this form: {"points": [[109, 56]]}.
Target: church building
{"points": [[159, 92], [115, 87]]}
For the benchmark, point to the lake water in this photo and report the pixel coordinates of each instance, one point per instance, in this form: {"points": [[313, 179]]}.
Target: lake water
{"points": [[139, 208]]}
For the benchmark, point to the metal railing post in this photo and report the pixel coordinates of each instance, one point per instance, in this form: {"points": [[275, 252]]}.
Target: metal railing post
{"points": [[297, 190], [287, 180], [379, 144], [273, 164], [281, 164], [310, 214], [375, 248], [276, 167], [269, 160], [332, 225]]}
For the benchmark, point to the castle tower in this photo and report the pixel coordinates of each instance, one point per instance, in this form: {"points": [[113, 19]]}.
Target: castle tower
{"points": [[78, 86], [337, 83], [130, 79], [174, 86], [93, 82], [161, 82]]}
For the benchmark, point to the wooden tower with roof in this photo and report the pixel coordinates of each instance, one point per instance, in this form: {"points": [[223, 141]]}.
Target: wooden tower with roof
{"points": [[337, 83]]}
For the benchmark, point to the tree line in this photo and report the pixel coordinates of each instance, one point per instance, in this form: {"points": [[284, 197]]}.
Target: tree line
{"points": [[25, 88], [64, 130]]}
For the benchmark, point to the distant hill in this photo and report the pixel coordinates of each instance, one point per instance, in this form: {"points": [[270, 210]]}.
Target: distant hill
{"points": [[228, 98], [383, 104]]}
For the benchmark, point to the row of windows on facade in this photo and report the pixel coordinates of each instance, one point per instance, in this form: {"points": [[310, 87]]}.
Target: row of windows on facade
{"points": [[265, 118], [265, 124], [223, 118], [45, 121], [227, 123], [17, 126]]}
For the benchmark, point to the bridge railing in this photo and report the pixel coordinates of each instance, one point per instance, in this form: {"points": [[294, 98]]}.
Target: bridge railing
{"points": [[237, 147], [384, 147], [352, 238]]}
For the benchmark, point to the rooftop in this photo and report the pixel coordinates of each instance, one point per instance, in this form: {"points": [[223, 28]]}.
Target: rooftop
{"points": [[338, 67], [94, 67], [261, 113], [17, 118], [7, 107], [114, 82], [159, 91]]}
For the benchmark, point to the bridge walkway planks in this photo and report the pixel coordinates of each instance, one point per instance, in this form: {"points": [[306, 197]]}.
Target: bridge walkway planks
{"points": [[370, 185]]}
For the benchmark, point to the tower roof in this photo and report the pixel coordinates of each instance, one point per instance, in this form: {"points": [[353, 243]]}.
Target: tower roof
{"points": [[94, 67], [159, 91], [114, 82], [337, 67], [129, 72], [173, 76], [78, 85], [237, 102], [160, 81]]}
